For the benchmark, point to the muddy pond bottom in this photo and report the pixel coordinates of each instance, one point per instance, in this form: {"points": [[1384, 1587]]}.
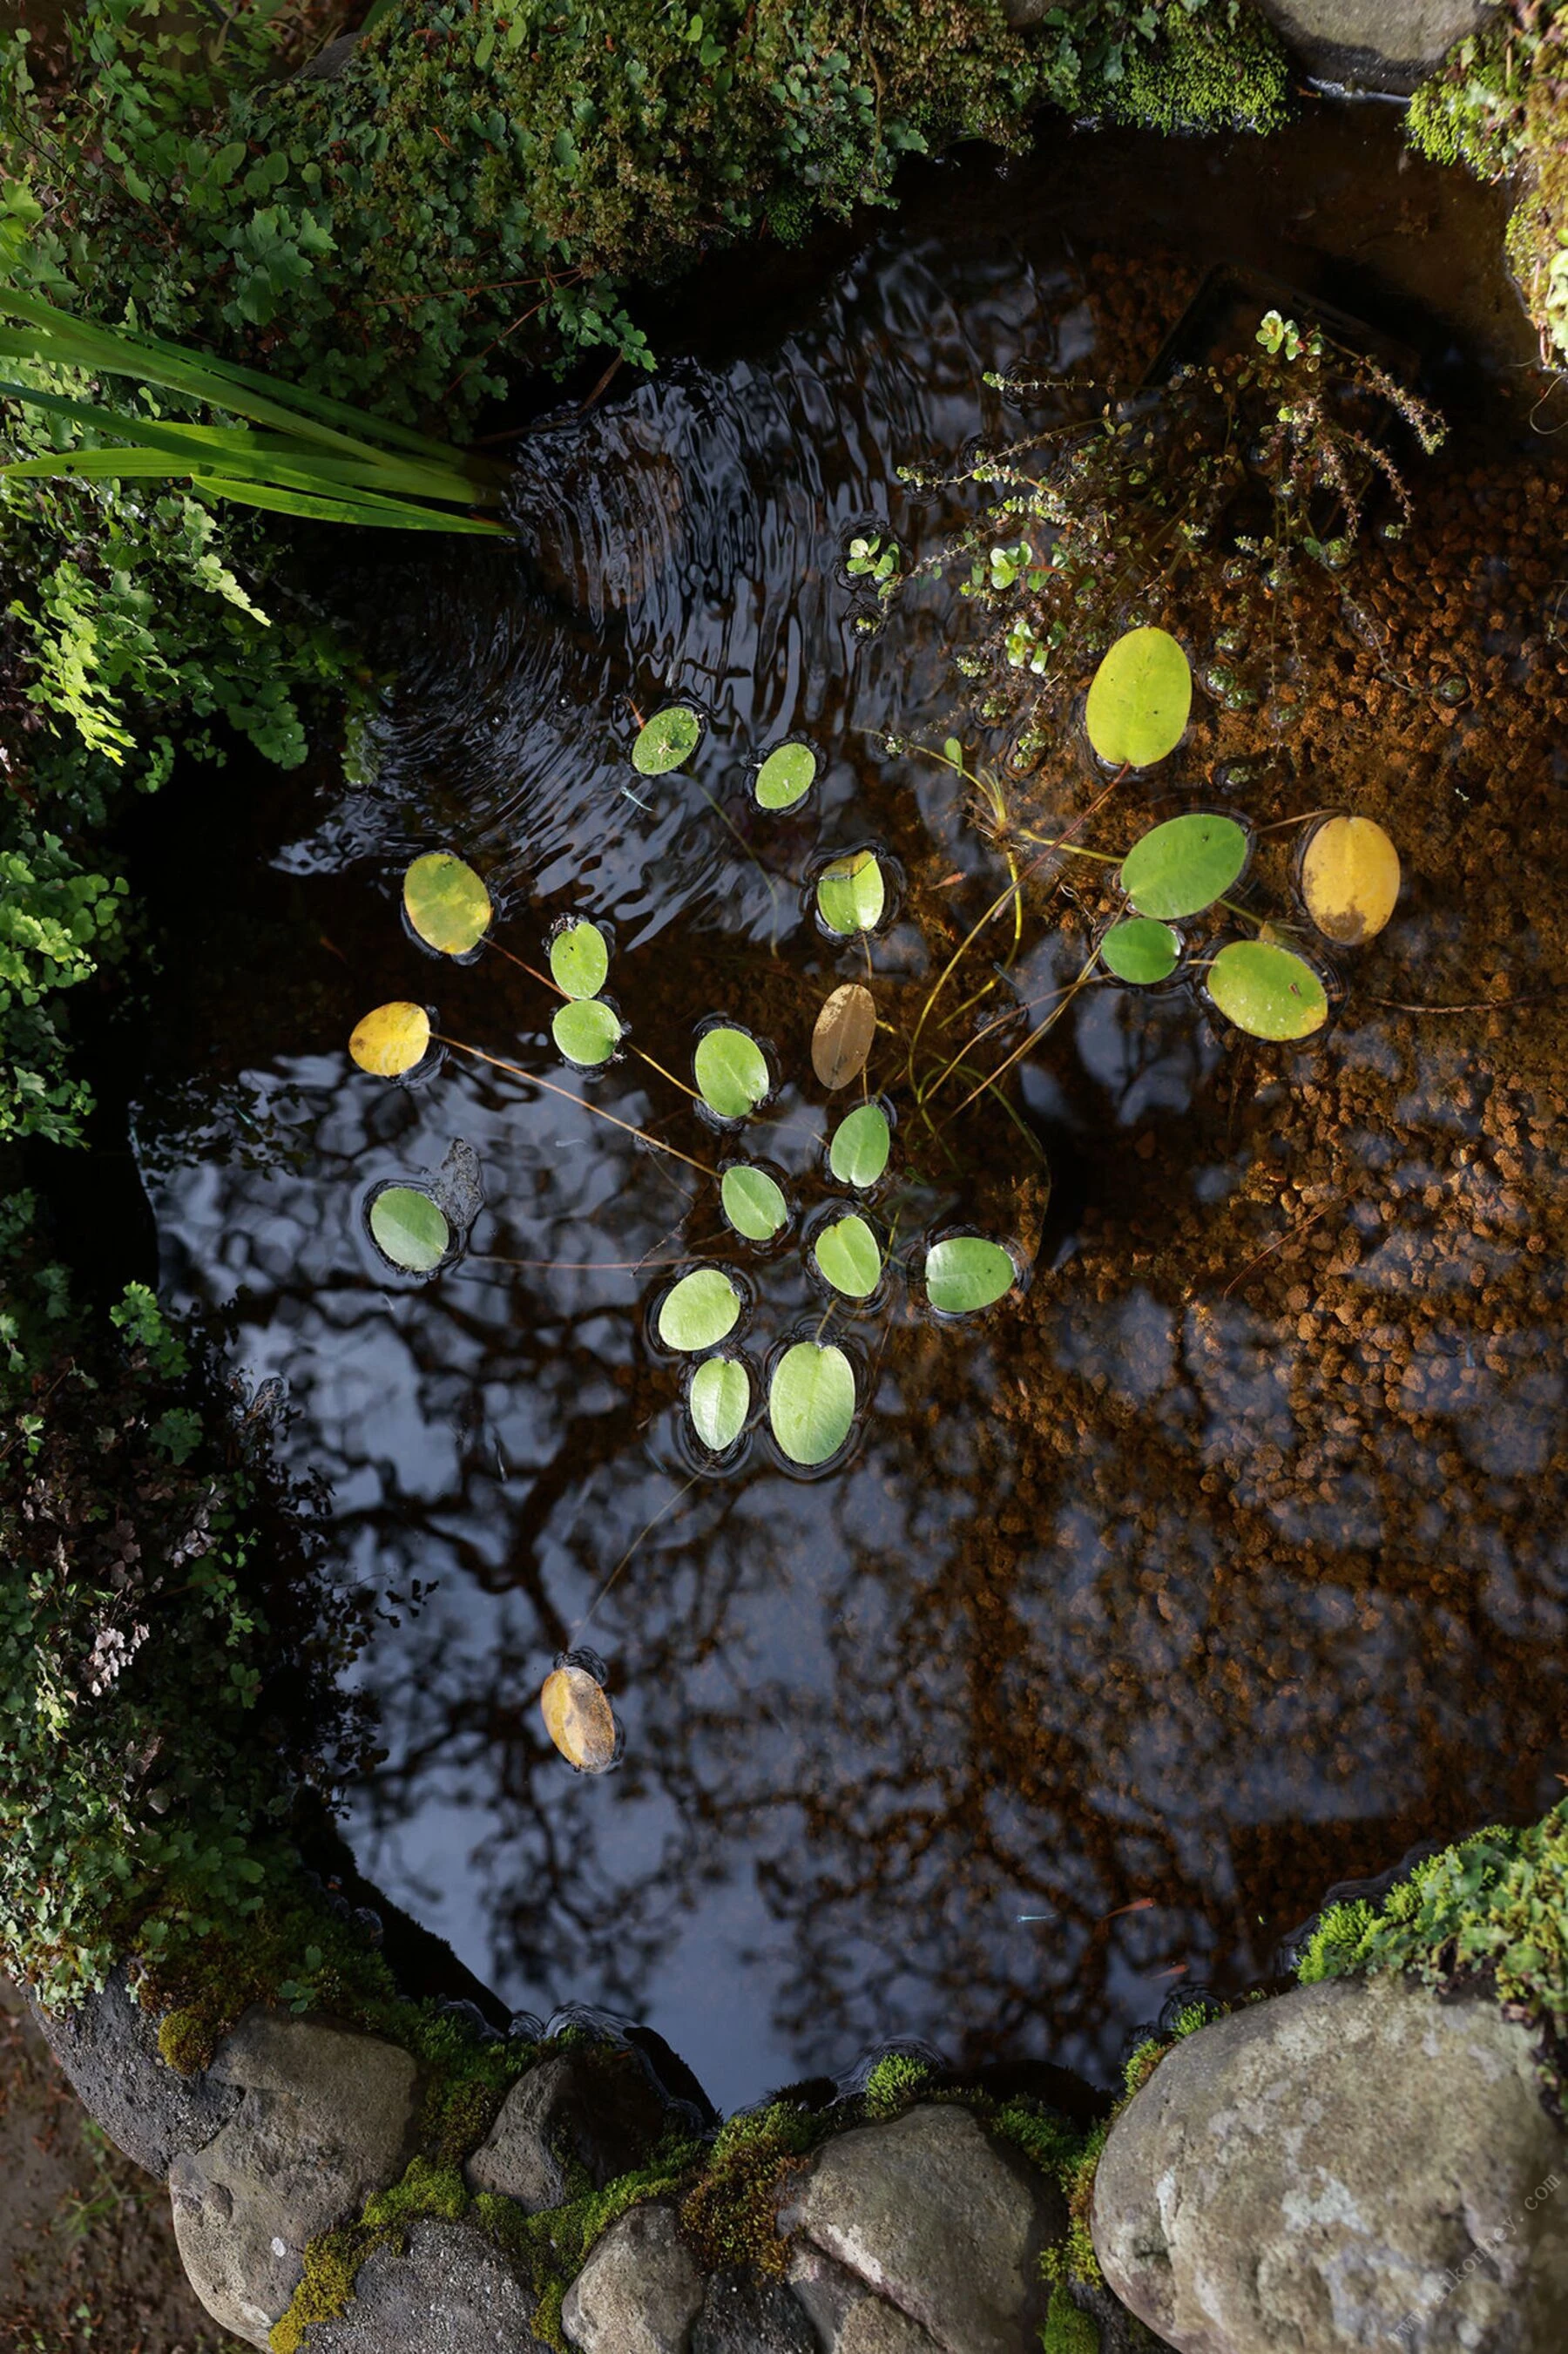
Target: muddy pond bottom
{"points": [[1225, 1562]]}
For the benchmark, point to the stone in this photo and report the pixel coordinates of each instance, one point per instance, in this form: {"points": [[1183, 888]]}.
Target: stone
{"points": [[873, 2328], [743, 2313], [451, 2293], [108, 2049], [321, 2122], [605, 2115], [1385, 45], [639, 2291], [1353, 2164], [845, 2314], [937, 2220]]}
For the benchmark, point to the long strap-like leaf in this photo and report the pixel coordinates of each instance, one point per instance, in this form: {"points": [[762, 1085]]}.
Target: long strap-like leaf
{"points": [[203, 446], [122, 351], [386, 512]]}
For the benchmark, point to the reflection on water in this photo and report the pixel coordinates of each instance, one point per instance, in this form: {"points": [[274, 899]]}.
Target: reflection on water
{"points": [[1228, 1564]]}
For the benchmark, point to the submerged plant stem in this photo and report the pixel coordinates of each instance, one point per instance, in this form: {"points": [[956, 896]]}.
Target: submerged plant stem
{"points": [[664, 1509], [533, 1078]]}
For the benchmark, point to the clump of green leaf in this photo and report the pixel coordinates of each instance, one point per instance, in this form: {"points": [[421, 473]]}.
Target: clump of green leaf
{"points": [[1493, 1909], [897, 2079]]}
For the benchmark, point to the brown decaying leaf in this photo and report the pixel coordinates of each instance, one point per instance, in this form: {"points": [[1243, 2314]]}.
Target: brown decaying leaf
{"points": [[842, 1037], [580, 1719]]}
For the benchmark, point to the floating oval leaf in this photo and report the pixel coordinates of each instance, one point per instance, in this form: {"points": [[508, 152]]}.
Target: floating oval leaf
{"points": [[1350, 878], [851, 893], [1184, 865], [719, 1401], [391, 1039], [446, 903], [579, 960], [410, 1228], [580, 1720], [786, 777], [753, 1204], [810, 1401], [698, 1311], [731, 1072], [966, 1272], [1139, 699], [858, 1154], [843, 1038], [1267, 990], [587, 1031], [849, 1257], [671, 736], [1140, 950]]}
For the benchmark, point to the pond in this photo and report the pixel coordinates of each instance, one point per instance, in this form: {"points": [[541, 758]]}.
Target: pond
{"points": [[1224, 1563]]}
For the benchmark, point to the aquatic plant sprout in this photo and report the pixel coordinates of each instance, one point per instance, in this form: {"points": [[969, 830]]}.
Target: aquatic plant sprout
{"points": [[391, 1039], [667, 740], [719, 1401], [1350, 878], [410, 1228], [844, 1035], [785, 777], [579, 960], [731, 1072], [1141, 951], [848, 1257], [1183, 866], [1139, 699], [1269, 990], [811, 1402], [966, 1273], [852, 894], [446, 903], [861, 1147], [587, 1031], [700, 1310], [753, 1201]]}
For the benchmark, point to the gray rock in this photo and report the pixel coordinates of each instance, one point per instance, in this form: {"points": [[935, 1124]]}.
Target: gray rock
{"points": [[639, 2291], [606, 2116], [1351, 2165], [452, 2293], [321, 2123], [331, 62], [743, 2314], [108, 2049], [940, 2221], [845, 2314], [1386, 45]]}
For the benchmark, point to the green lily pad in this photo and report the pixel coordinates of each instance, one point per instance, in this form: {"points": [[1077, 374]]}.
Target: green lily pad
{"points": [[1139, 699], [849, 1257], [852, 894], [966, 1273], [1267, 990], [719, 1401], [587, 1031], [446, 903], [700, 1310], [1140, 950], [410, 1228], [1184, 865], [752, 1202], [810, 1401], [671, 736], [786, 777], [858, 1154], [579, 960], [731, 1072]]}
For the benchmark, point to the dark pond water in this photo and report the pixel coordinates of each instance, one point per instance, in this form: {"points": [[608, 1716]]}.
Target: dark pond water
{"points": [[1229, 1564]]}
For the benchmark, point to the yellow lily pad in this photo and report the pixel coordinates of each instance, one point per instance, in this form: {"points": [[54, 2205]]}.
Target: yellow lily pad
{"points": [[391, 1039]]}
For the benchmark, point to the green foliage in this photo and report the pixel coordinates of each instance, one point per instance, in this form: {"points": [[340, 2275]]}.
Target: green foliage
{"points": [[897, 2079], [1066, 2329], [730, 2215], [482, 182], [1205, 70], [163, 1599], [1494, 1909], [811, 1402]]}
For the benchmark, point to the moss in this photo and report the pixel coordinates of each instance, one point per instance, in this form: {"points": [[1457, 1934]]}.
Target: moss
{"points": [[1493, 1909], [549, 2249], [326, 2285], [730, 2217], [897, 2079], [1497, 105], [1220, 70], [1066, 2330], [427, 2188]]}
